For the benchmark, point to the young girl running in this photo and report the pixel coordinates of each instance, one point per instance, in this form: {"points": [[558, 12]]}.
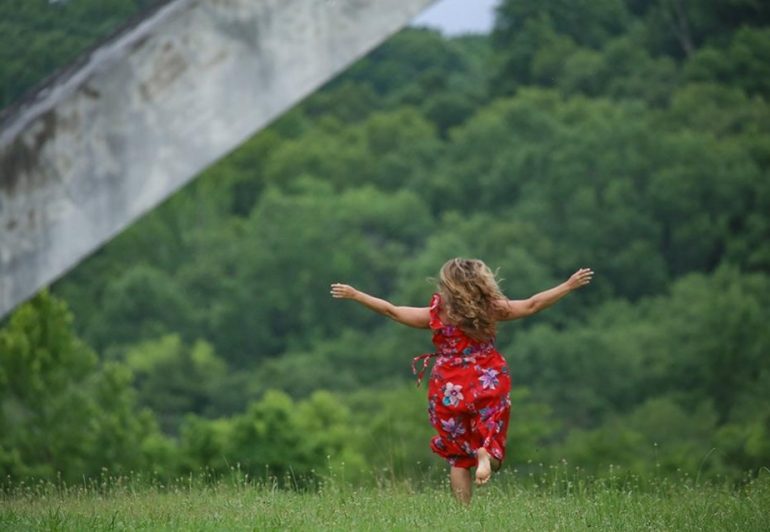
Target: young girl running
{"points": [[469, 385]]}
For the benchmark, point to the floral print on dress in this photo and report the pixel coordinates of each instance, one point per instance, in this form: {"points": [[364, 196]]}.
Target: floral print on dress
{"points": [[452, 427], [467, 393], [432, 412], [467, 449], [489, 378], [452, 394]]}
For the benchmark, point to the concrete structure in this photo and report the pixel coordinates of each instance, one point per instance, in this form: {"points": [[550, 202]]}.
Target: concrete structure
{"points": [[137, 117]]}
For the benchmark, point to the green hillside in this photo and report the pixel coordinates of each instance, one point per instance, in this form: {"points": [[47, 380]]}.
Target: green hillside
{"points": [[625, 135]]}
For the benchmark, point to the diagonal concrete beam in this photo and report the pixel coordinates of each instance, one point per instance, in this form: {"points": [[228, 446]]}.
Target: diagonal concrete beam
{"points": [[137, 117]]}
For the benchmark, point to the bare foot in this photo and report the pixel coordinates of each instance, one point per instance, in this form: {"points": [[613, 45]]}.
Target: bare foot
{"points": [[484, 468]]}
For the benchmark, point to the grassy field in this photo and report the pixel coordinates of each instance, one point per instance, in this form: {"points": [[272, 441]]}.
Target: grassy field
{"points": [[504, 505]]}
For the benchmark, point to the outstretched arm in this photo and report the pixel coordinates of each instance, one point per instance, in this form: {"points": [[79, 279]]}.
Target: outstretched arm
{"points": [[513, 309], [418, 317]]}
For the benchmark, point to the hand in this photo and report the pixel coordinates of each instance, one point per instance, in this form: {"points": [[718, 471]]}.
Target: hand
{"points": [[343, 291], [580, 278]]}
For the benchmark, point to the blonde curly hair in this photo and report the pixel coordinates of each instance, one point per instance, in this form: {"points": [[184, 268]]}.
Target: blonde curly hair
{"points": [[469, 291]]}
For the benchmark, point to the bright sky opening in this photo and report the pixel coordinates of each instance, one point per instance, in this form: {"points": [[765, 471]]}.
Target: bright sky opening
{"points": [[456, 17]]}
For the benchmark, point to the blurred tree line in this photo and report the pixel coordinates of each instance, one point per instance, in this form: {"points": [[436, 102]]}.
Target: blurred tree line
{"points": [[629, 136]]}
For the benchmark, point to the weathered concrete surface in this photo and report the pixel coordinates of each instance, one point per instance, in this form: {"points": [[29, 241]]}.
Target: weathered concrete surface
{"points": [[146, 111]]}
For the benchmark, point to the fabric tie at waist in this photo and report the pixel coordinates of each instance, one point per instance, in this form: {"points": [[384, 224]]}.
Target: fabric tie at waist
{"points": [[425, 361]]}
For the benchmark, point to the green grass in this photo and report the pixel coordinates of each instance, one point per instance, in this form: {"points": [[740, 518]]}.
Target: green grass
{"points": [[504, 505]]}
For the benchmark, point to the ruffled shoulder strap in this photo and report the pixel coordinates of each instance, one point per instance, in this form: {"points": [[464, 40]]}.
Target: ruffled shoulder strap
{"points": [[435, 306]]}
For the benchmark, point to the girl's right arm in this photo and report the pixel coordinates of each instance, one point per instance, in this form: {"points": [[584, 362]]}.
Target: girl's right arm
{"points": [[418, 317], [513, 309]]}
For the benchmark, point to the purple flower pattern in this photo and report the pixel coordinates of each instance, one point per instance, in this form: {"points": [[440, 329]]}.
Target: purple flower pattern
{"points": [[489, 378], [452, 427]]}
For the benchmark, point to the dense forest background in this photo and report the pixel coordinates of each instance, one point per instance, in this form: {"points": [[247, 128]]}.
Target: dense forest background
{"points": [[625, 135]]}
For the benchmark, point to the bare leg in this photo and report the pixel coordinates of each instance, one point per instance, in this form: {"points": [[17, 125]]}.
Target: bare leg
{"points": [[487, 464], [460, 479]]}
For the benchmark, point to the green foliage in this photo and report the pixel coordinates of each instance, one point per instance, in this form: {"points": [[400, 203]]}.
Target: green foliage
{"points": [[411, 63], [659, 433], [743, 64], [535, 37], [61, 413], [40, 36], [743, 440], [629, 49], [394, 430], [294, 245], [625, 355], [277, 437], [716, 366], [173, 379], [680, 27], [146, 301], [630, 136]]}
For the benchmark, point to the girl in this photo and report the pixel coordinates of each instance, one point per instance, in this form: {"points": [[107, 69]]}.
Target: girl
{"points": [[468, 388]]}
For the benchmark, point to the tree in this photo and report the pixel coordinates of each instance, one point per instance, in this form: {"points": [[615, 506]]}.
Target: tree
{"points": [[291, 442], [694, 359], [173, 379], [291, 248], [42, 36], [743, 64], [533, 39], [681, 27], [62, 413], [142, 303]]}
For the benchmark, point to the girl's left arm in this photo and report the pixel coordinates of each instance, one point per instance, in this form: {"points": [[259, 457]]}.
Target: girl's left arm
{"points": [[418, 317], [513, 309]]}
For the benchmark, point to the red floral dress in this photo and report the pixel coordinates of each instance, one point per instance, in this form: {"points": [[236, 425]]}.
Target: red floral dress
{"points": [[468, 392]]}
